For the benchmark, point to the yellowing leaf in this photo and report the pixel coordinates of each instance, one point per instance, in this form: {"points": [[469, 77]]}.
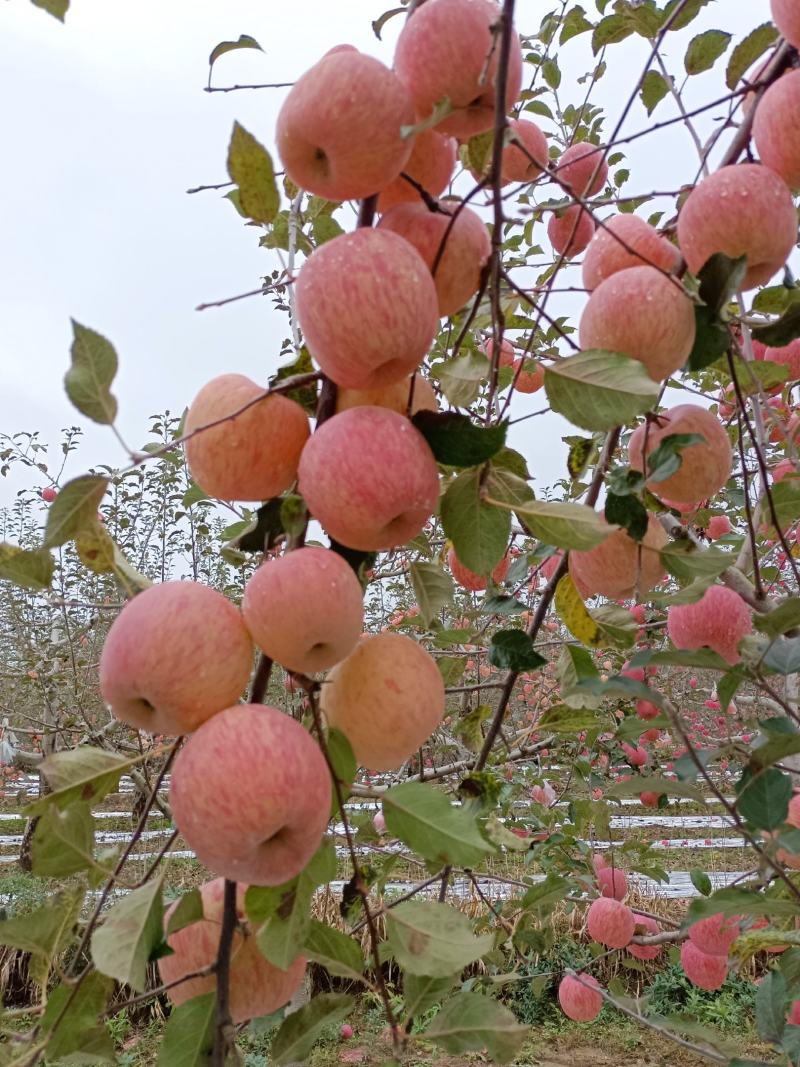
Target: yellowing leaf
{"points": [[573, 613]]}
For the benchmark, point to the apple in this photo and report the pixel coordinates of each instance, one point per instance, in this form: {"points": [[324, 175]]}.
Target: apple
{"points": [[394, 396], [718, 620], [175, 655], [251, 794], [449, 48], [305, 610], [387, 698], [250, 456], [570, 230], [705, 466], [431, 165], [582, 169], [580, 998], [626, 241], [528, 376], [467, 579], [642, 314], [339, 130], [256, 986], [775, 128], [620, 565], [524, 166], [740, 210], [346, 297], [48, 494], [786, 16], [369, 477], [466, 246]]}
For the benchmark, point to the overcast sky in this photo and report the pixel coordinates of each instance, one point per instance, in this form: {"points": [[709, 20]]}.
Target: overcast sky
{"points": [[106, 125]]}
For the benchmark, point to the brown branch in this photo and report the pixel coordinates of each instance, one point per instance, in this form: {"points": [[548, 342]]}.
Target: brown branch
{"points": [[544, 604], [223, 1025]]}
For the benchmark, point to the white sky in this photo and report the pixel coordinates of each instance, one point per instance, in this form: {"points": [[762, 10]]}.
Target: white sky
{"points": [[105, 125]]}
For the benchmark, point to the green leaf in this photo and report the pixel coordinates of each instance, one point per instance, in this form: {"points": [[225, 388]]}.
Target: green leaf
{"points": [[451, 668], [565, 720], [461, 378], [720, 277], [422, 992], [74, 510], [704, 50], [785, 330], [282, 912], [456, 441], [188, 911], [551, 73], [63, 842], [654, 88], [433, 589], [245, 41], [131, 931], [772, 1004], [79, 1029], [189, 1034], [468, 727], [610, 30], [666, 458], [338, 953], [686, 562], [513, 650], [711, 339], [425, 820], [479, 531], [56, 8], [701, 882], [599, 390], [471, 1022], [785, 617], [733, 901], [250, 166], [564, 524], [783, 656], [433, 939], [543, 896], [441, 109], [628, 512], [86, 773], [748, 51], [764, 802], [300, 1031], [29, 568], [688, 13], [44, 933], [88, 381], [574, 23], [343, 760]]}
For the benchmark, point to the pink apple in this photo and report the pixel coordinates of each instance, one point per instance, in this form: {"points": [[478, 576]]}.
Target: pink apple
{"points": [[741, 210], [339, 130], [448, 48], [175, 655], [387, 697], [358, 331], [466, 246], [305, 610], [251, 794], [249, 456], [257, 987], [370, 478]]}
